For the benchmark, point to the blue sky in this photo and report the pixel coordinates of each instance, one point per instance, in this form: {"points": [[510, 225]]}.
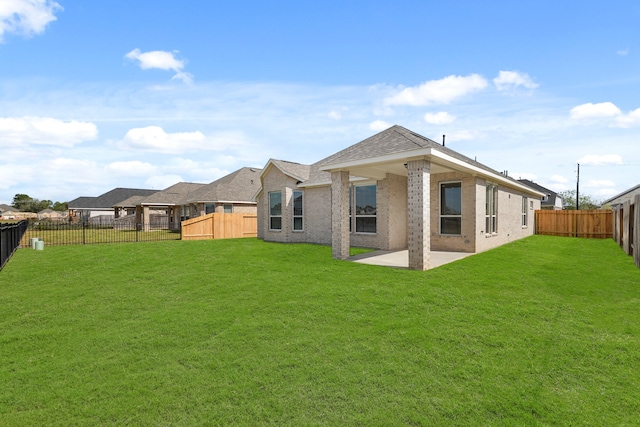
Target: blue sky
{"points": [[103, 94]]}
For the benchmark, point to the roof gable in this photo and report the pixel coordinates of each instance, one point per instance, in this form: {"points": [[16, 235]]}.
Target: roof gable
{"points": [[171, 195], [108, 199], [238, 186]]}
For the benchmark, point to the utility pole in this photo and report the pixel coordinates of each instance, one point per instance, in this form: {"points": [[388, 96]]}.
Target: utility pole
{"points": [[578, 189]]}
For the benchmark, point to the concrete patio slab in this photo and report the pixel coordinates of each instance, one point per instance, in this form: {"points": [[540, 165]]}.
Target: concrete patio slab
{"points": [[400, 259]]}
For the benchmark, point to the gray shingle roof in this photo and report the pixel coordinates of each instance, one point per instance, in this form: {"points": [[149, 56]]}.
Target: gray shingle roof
{"points": [[551, 195], [396, 139], [294, 170], [238, 186], [171, 195], [131, 202], [108, 199]]}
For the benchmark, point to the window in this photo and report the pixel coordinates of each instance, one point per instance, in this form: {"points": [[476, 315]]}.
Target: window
{"points": [[209, 208], [275, 210], [228, 208], [524, 211], [365, 208], [451, 208], [491, 209], [298, 222]]}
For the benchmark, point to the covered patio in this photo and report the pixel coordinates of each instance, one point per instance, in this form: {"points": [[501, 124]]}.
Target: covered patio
{"points": [[400, 259]]}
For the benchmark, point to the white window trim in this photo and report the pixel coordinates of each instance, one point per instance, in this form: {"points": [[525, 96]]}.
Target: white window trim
{"points": [[293, 215], [491, 218], [525, 212], [275, 216], [353, 217], [440, 215]]}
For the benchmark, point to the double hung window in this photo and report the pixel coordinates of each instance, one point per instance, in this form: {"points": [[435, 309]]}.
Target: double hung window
{"points": [[275, 210], [362, 202], [491, 209], [298, 214], [451, 208]]}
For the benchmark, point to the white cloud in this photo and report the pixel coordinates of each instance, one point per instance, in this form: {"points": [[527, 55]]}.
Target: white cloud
{"points": [[509, 80], [26, 17], [441, 91], [379, 125], [333, 114], [605, 193], [623, 52], [462, 135], [600, 159], [558, 179], [131, 169], [155, 139], [600, 183], [439, 118], [593, 111], [160, 182], [45, 131], [628, 120], [158, 59]]}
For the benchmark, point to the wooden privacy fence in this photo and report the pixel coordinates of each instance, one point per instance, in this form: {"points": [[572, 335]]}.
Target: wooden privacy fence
{"points": [[220, 226], [594, 224]]}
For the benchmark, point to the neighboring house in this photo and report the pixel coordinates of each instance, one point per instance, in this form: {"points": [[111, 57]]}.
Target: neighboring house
{"points": [[51, 215], [166, 203], [5, 208], [395, 190], [626, 221], [9, 212], [233, 193], [550, 200], [103, 205]]}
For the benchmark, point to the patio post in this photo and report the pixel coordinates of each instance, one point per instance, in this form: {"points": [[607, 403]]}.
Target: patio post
{"points": [[340, 243], [419, 203], [146, 218]]}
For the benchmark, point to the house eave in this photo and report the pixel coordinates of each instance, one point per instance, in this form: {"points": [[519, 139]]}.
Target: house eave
{"points": [[377, 167]]}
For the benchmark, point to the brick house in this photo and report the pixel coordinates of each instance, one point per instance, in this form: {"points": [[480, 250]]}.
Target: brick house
{"points": [[395, 190], [233, 193]]}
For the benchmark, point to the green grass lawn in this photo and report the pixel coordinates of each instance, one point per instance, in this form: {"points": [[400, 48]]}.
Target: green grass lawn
{"points": [[543, 331]]}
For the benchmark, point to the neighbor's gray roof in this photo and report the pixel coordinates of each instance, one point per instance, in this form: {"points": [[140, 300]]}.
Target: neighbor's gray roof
{"points": [[551, 195], [108, 199], [131, 202], [238, 186], [6, 208], [171, 195]]}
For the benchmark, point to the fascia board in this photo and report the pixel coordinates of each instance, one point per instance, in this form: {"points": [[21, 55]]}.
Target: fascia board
{"points": [[435, 156]]}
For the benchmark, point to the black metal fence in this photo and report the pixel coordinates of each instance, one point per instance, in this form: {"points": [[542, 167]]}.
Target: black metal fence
{"points": [[10, 236], [55, 233]]}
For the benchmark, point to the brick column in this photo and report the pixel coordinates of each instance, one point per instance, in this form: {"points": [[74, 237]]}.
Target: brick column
{"points": [[138, 217], [419, 203], [146, 218], [340, 215], [176, 218]]}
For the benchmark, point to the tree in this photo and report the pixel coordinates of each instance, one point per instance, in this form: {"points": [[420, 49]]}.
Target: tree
{"points": [[586, 201], [24, 203], [60, 206]]}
